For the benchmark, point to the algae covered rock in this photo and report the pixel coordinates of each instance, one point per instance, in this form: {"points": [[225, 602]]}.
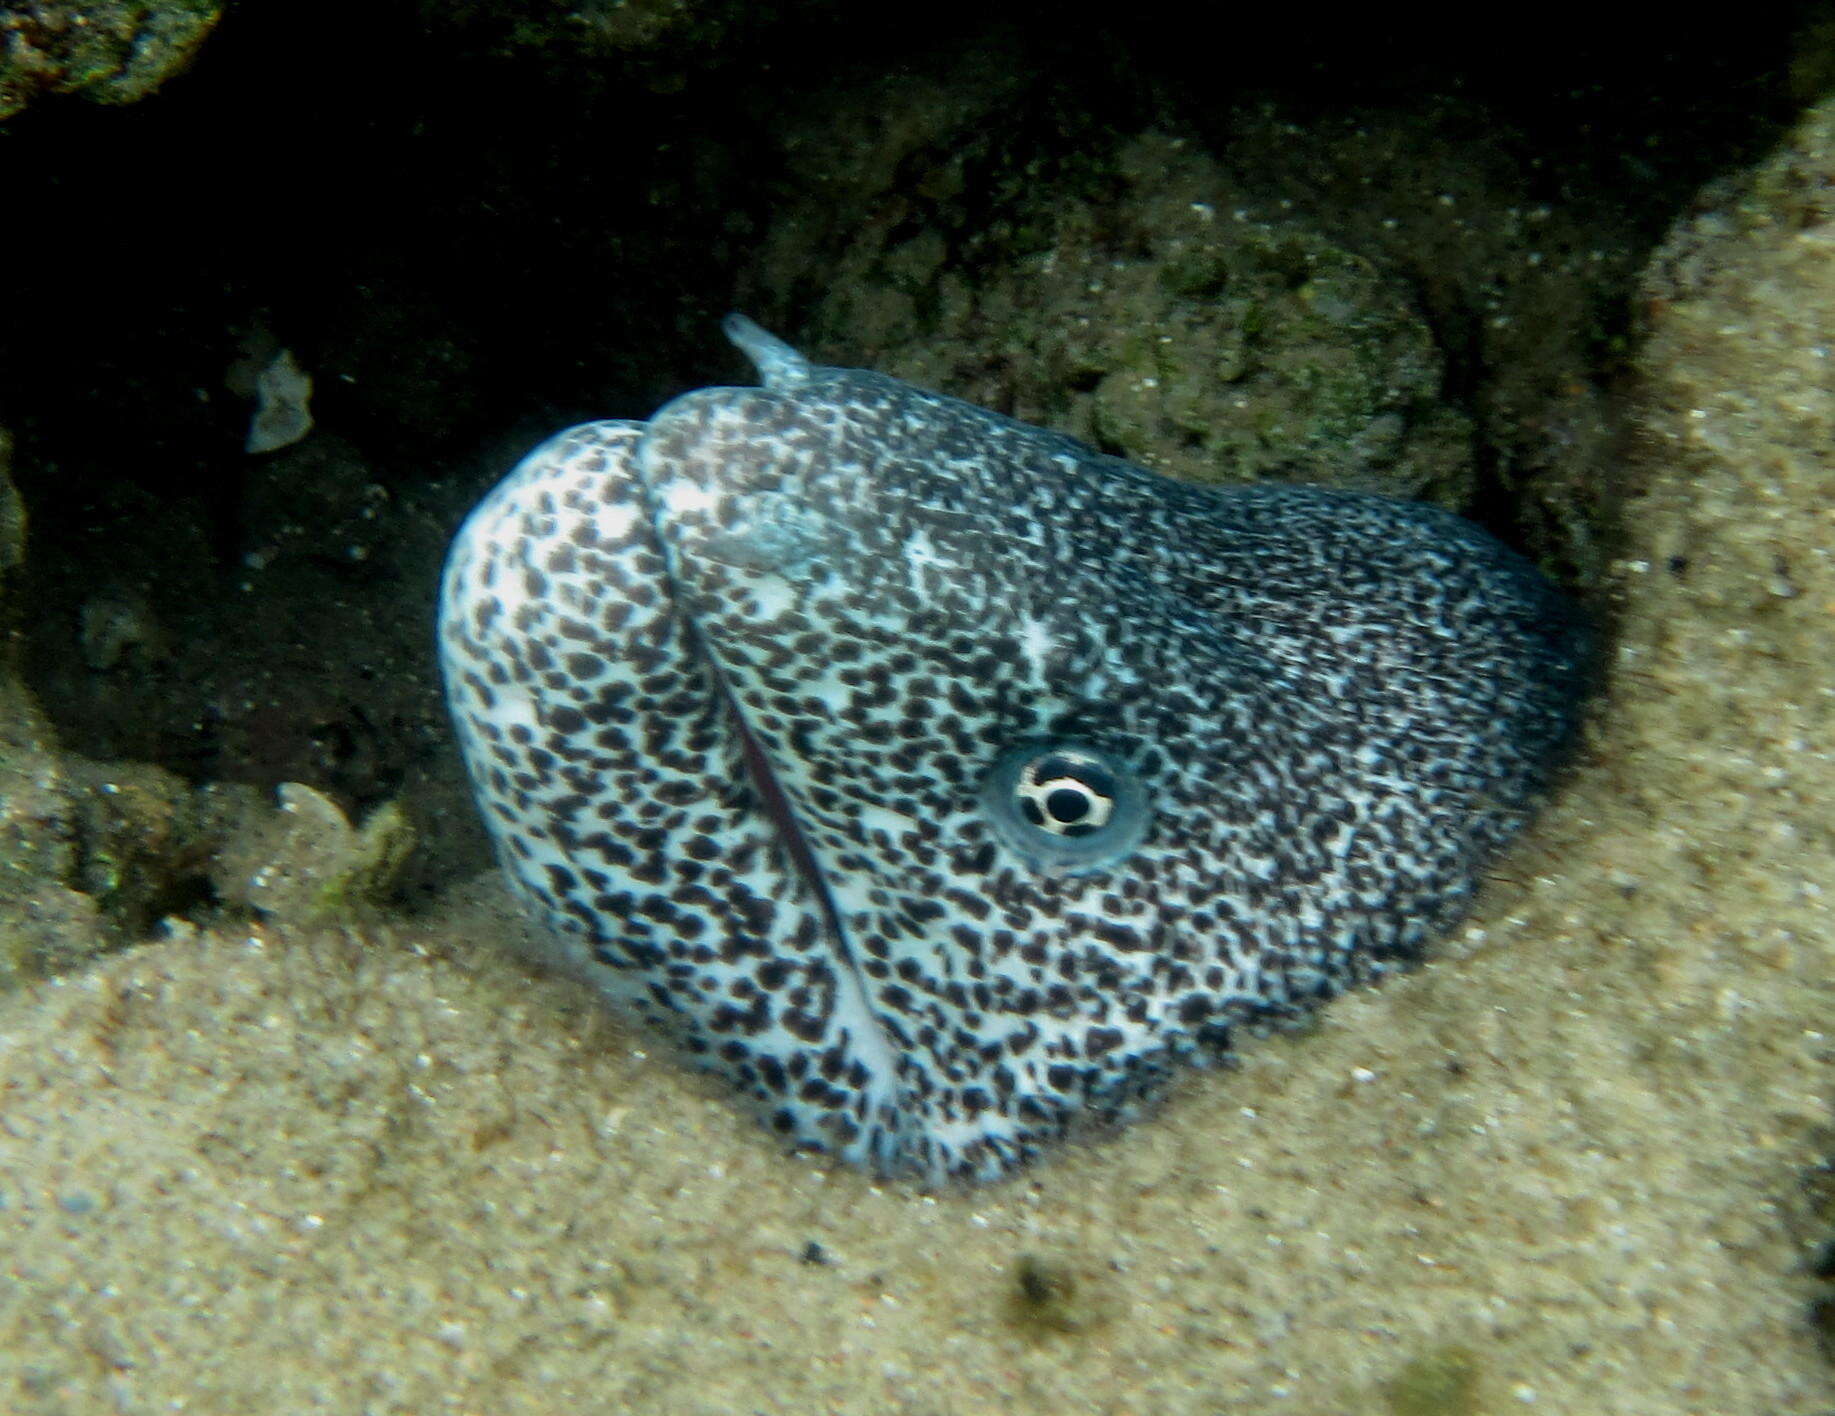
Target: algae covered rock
{"points": [[656, 43], [98, 855], [40, 911], [109, 51], [1361, 295], [305, 863], [1134, 304], [12, 520]]}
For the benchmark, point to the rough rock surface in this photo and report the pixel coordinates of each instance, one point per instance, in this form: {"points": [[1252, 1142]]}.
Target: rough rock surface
{"points": [[109, 51]]}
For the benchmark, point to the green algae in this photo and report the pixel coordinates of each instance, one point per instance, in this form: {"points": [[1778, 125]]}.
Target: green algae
{"points": [[1443, 1382], [1048, 1297]]}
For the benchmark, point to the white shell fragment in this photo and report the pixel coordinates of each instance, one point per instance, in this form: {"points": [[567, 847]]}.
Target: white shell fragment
{"points": [[282, 392]]}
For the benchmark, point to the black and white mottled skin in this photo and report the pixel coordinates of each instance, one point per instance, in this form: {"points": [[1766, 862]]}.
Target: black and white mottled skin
{"points": [[732, 683]]}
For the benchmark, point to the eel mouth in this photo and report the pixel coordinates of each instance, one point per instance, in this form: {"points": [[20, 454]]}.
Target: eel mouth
{"points": [[776, 804], [675, 507]]}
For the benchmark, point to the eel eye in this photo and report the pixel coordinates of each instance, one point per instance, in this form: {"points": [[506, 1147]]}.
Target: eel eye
{"points": [[1064, 806]]}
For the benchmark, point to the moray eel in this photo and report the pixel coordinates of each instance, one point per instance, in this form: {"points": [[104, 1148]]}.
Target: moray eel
{"points": [[942, 782]]}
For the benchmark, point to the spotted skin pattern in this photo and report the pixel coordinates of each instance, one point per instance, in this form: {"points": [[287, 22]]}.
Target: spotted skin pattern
{"points": [[730, 682]]}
